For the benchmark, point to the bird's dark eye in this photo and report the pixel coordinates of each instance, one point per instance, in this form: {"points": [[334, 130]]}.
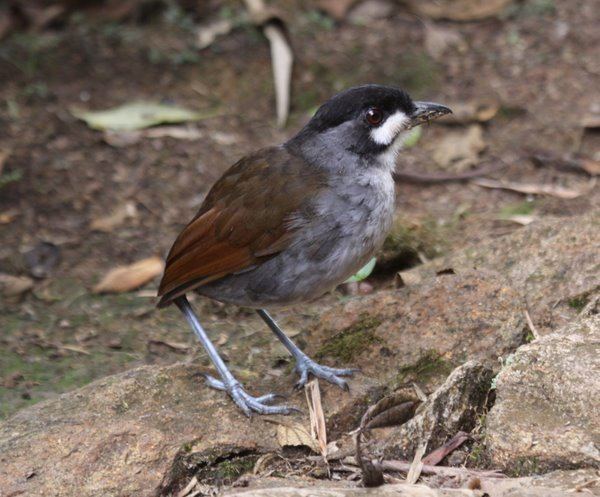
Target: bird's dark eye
{"points": [[374, 116]]}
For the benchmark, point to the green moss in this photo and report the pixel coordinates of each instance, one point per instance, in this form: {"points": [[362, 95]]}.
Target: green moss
{"points": [[233, 468], [429, 365], [351, 341], [578, 302], [524, 466], [517, 209]]}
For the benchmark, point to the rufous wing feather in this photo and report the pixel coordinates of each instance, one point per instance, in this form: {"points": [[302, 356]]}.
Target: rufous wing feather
{"points": [[243, 221]]}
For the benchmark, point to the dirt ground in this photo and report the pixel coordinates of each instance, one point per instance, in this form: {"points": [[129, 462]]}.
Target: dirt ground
{"points": [[538, 59]]}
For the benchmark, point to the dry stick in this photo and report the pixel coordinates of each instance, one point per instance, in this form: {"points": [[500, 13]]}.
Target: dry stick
{"points": [[532, 328], [404, 467], [410, 177]]}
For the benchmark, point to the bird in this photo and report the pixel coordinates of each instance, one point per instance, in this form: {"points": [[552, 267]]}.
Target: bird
{"points": [[288, 223]]}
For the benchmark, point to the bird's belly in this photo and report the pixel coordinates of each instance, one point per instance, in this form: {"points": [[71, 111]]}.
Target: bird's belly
{"points": [[324, 253]]}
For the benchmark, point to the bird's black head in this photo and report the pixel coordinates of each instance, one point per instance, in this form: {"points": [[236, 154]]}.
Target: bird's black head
{"points": [[368, 120]]}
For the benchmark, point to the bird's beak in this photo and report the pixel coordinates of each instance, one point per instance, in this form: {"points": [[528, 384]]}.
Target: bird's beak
{"points": [[427, 111]]}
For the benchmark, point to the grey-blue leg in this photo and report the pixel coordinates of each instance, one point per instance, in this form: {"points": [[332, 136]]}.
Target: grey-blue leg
{"points": [[304, 364], [245, 401]]}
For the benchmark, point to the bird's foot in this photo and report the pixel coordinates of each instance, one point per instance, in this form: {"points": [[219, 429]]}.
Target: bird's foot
{"points": [[247, 402], [306, 365]]}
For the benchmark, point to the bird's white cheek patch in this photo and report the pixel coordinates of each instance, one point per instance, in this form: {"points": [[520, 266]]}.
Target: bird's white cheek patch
{"points": [[387, 132]]}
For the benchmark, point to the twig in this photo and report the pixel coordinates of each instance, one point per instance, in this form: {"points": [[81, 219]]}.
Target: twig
{"points": [[410, 177], [532, 328], [404, 467]]}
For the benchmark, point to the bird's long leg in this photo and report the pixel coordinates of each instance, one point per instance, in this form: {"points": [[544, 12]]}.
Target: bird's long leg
{"points": [[245, 401], [304, 364]]}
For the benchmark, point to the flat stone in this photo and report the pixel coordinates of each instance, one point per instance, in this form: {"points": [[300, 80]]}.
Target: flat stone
{"points": [[546, 414], [553, 263]]}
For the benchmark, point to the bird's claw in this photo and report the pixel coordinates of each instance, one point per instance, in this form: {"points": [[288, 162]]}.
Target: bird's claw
{"points": [[246, 402], [306, 365]]}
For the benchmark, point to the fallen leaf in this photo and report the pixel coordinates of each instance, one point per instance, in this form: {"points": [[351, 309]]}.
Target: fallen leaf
{"points": [[535, 188], [116, 218], [522, 219], [207, 33], [176, 346], [138, 115], [318, 428], [458, 10], [436, 456], [363, 272], [75, 348], [8, 216], [407, 278], [336, 8], [370, 10], [126, 278], [14, 286], [295, 435], [458, 150], [438, 39], [413, 136], [416, 467], [282, 57], [472, 112]]}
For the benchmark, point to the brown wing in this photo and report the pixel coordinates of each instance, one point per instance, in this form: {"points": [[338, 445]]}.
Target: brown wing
{"points": [[243, 220]]}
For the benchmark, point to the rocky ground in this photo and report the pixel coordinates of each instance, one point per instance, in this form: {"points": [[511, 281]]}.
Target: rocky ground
{"points": [[477, 335]]}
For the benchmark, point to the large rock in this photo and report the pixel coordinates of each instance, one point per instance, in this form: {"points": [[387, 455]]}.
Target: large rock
{"points": [[554, 263], [398, 490], [422, 332], [151, 429], [119, 436], [547, 411], [453, 407]]}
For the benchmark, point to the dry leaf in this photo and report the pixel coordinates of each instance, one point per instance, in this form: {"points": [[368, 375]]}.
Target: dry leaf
{"points": [[294, 435], [458, 10], [209, 32], [416, 467], [116, 218], [534, 188], [318, 428], [472, 112], [282, 57], [14, 286], [8, 216], [522, 219], [407, 278], [436, 456], [439, 39], [126, 278], [336, 8], [369, 11], [176, 346], [459, 150]]}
